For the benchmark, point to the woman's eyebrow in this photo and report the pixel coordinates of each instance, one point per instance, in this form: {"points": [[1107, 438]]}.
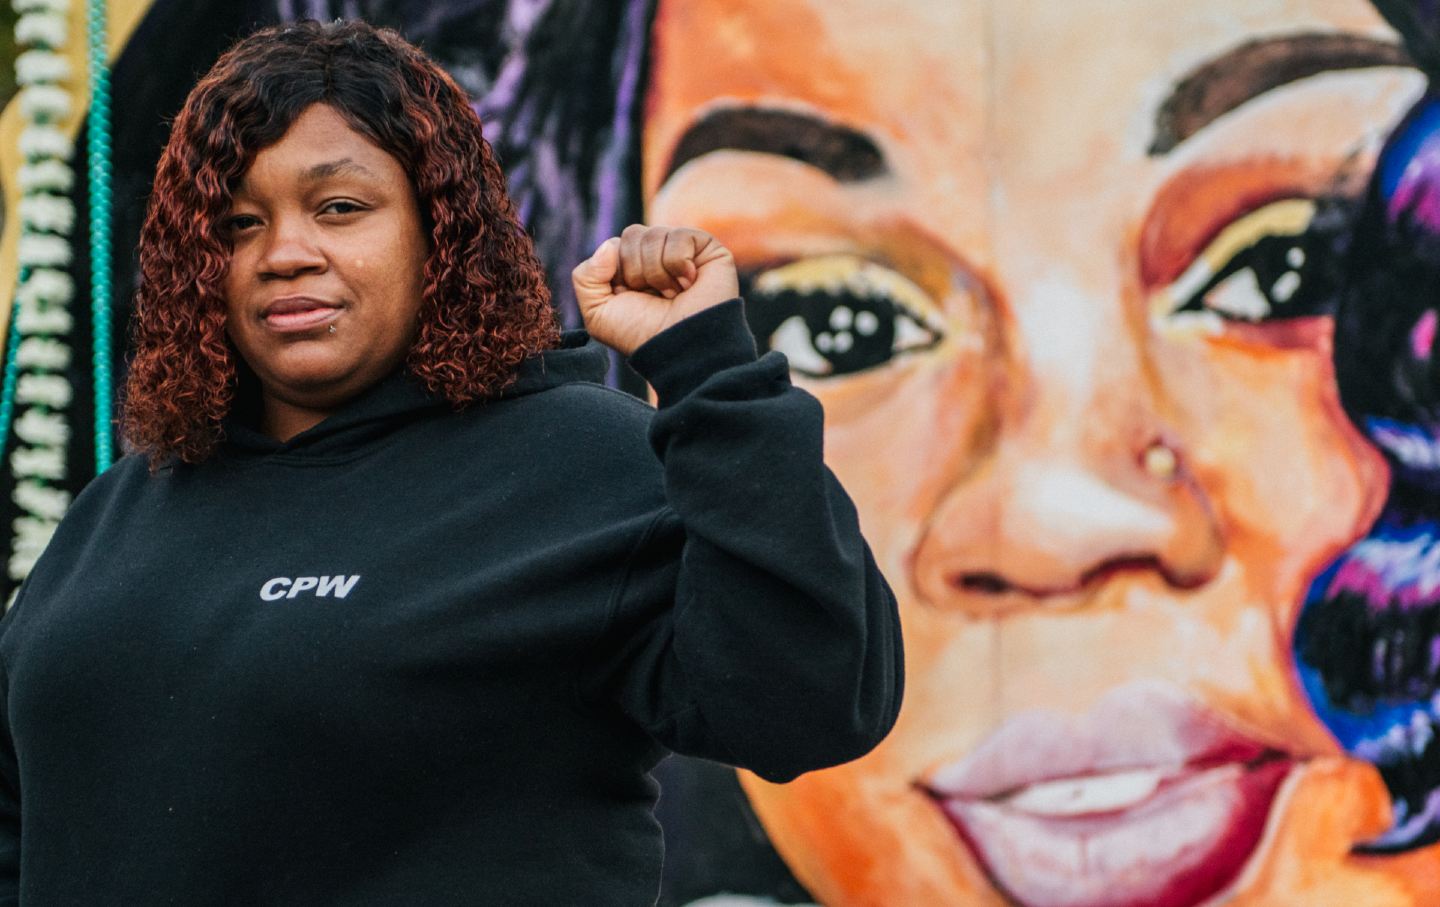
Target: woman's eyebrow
{"points": [[335, 168], [1243, 73], [846, 154]]}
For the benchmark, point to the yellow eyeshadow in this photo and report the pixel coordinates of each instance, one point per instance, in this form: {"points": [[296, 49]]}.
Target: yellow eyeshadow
{"points": [[837, 274], [1290, 217]]}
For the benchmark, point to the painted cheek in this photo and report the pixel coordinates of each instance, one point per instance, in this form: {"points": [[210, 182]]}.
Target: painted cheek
{"points": [[1422, 337]]}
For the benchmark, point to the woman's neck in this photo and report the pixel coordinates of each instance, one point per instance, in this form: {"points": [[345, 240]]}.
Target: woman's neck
{"points": [[282, 420]]}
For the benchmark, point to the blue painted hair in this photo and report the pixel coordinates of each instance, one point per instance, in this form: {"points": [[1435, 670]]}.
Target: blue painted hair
{"points": [[1368, 639]]}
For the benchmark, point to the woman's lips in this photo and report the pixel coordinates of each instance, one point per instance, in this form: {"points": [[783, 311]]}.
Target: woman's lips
{"points": [[1147, 801], [298, 313]]}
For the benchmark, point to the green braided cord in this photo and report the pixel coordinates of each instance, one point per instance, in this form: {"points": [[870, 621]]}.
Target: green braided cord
{"points": [[98, 148], [12, 367]]}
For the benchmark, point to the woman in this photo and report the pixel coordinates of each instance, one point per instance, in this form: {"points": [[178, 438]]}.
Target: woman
{"points": [[396, 604]]}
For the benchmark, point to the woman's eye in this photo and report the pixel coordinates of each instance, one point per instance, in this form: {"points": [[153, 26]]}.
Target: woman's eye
{"points": [[340, 206], [1268, 264], [240, 222], [837, 314]]}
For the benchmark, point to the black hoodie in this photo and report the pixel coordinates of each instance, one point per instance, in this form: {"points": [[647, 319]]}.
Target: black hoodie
{"points": [[419, 656]]}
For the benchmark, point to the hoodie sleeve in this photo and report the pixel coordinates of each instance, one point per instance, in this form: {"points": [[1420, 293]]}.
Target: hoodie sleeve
{"points": [[752, 625]]}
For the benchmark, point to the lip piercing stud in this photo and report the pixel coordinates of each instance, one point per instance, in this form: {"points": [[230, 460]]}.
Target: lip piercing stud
{"points": [[1160, 461], [332, 328]]}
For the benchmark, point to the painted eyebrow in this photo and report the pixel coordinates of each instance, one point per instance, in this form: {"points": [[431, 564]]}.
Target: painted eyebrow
{"points": [[1243, 73], [848, 155]]}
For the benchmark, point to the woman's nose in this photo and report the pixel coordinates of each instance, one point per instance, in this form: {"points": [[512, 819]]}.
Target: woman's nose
{"points": [[289, 251]]}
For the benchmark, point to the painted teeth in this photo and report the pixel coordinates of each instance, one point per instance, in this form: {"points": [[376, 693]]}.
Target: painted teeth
{"points": [[1081, 796]]}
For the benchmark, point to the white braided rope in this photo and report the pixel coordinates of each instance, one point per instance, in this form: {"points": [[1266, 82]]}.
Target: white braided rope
{"points": [[47, 218]]}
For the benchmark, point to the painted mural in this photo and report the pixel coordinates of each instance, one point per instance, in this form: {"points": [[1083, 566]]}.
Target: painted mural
{"points": [[1125, 316]]}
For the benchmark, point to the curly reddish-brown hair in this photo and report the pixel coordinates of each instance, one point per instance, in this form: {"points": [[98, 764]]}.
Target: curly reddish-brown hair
{"points": [[486, 306]]}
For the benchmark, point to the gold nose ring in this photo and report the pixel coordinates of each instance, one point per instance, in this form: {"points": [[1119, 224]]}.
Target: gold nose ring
{"points": [[1160, 461]]}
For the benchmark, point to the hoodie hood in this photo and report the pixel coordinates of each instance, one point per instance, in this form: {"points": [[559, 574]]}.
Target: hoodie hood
{"points": [[400, 398], [577, 358]]}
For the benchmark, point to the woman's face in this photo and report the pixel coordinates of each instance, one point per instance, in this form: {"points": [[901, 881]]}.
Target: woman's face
{"points": [[1091, 428], [326, 272]]}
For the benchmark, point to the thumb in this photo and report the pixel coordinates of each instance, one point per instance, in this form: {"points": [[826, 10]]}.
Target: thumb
{"points": [[593, 276]]}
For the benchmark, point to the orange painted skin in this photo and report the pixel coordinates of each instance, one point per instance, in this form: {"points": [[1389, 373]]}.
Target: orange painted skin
{"points": [[1021, 202]]}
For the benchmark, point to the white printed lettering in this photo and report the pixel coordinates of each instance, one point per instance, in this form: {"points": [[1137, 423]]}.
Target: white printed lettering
{"points": [[321, 586], [303, 584], [340, 585], [274, 589]]}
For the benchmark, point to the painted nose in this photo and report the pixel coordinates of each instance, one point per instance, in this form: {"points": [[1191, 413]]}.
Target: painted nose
{"points": [[1079, 479], [1032, 530]]}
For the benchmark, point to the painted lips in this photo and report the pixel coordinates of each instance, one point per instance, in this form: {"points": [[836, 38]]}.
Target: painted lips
{"points": [[298, 313], [1147, 801]]}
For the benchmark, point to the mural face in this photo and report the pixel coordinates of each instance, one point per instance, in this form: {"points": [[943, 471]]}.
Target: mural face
{"points": [[1055, 271], [1067, 278]]}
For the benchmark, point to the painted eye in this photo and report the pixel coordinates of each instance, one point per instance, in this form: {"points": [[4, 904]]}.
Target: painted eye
{"points": [[1263, 266], [838, 314]]}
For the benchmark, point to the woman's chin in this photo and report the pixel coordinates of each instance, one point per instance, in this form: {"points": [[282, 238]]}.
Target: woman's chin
{"points": [[317, 379]]}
